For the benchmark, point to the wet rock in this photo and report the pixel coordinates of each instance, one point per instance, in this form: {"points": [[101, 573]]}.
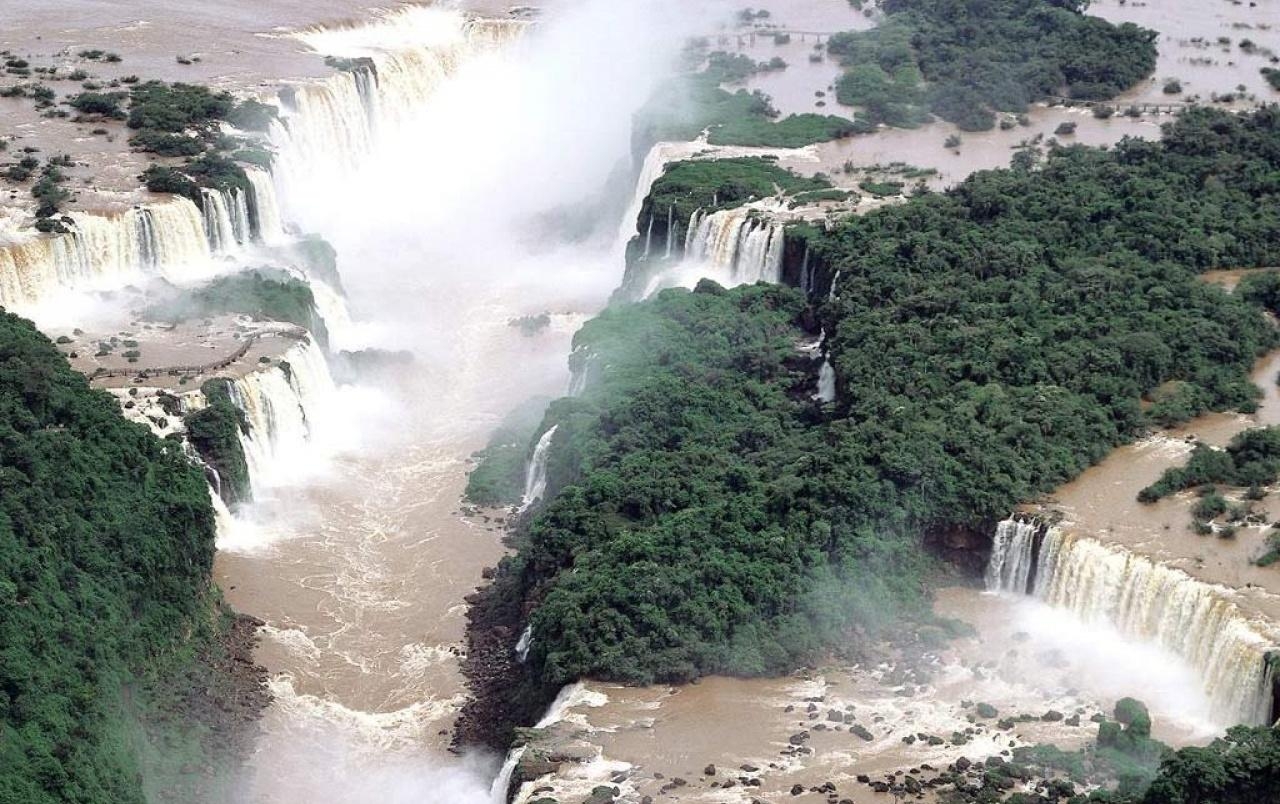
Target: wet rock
{"points": [[862, 732], [1052, 716], [835, 716], [749, 768], [710, 770], [963, 764], [986, 710], [799, 738], [797, 789], [602, 795]]}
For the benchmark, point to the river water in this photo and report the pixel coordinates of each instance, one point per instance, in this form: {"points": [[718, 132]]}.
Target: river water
{"points": [[484, 206]]}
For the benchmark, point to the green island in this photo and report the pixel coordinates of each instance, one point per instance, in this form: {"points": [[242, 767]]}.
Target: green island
{"points": [[119, 664], [964, 61]]}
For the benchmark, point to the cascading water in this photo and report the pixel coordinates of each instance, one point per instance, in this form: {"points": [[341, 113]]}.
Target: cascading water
{"points": [[1145, 600], [739, 244], [219, 226], [582, 364], [275, 402], [535, 480], [166, 238], [266, 218], [397, 63], [826, 382], [523, 644]]}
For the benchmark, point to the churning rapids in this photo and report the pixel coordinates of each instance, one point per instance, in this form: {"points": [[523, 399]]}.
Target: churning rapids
{"points": [[453, 179]]}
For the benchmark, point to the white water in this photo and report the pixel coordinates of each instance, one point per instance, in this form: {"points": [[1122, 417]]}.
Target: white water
{"points": [[331, 127], [535, 478], [1011, 556], [524, 643], [826, 382], [655, 163], [1146, 601], [166, 239], [439, 213], [219, 225], [276, 405], [734, 247], [270, 226]]}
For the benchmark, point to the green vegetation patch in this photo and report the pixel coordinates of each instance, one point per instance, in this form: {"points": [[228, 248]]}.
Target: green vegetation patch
{"points": [[106, 549], [989, 343], [215, 431], [261, 294], [963, 60], [715, 184], [684, 107], [498, 478], [1251, 459]]}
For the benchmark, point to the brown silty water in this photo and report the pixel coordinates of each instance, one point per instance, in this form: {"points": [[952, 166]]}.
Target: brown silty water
{"points": [[239, 46], [361, 571]]}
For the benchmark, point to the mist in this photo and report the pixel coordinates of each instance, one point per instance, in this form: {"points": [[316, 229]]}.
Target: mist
{"points": [[451, 226]]}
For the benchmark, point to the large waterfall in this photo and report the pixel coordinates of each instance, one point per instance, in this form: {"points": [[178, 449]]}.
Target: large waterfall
{"points": [[172, 238], [166, 238], [741, 244], [1145, 600], [394, 66]]}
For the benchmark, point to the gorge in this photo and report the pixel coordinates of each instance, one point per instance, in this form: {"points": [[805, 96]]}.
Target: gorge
{"points": [[796, 403]]}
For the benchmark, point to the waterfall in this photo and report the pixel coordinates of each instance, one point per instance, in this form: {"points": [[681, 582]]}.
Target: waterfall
{"points": [[806, 276], [522, 645], [1012, 556], [691, 234], [831, 293], [166, 238], [580, 368], [826, 382], [648, 239], [671, 232], [239, 207], [275, 402], [1145, 600], [218, 224], [498, 793], [400, 60], [535, 479], [740, 245], [266, 216], [655, 163]]}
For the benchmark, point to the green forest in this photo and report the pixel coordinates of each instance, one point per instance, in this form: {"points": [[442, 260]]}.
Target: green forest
{"points": [[111, 625], [990, 342], [960, 60], [964, 60]]}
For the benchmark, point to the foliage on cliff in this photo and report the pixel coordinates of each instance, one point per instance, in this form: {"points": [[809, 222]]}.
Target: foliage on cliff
{"points": [[498, 478], [715, 184], [260, 294], [989, 343], [214, 431], [186, 120], [106, 547], [962, 59]]}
